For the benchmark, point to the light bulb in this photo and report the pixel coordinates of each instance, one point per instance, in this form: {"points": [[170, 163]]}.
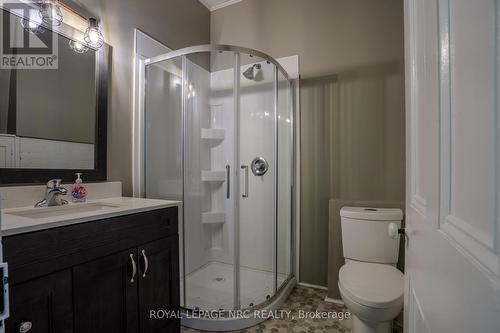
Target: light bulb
{"points": [[50, 13], [77, 46], [93, 36]]}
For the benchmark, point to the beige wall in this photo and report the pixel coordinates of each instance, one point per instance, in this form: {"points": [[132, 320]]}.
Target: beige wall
{"points": [[176, 23], [352, 103], [328, 35]]}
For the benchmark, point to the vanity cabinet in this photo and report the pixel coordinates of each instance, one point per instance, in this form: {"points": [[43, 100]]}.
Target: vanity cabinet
{"points": [[99, 276], [159, 284], [106, 295], [42, 305]]}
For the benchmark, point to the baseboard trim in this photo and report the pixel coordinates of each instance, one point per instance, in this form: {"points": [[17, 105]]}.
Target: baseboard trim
{"points": [[334, 300], [302, 284]]}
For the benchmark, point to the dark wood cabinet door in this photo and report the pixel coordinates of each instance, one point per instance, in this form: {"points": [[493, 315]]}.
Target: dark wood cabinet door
{"points": [[159, 284], [105, 295], [44, 304]]}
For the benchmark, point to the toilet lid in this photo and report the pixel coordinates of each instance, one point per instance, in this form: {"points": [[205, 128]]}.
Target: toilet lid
{"points": [[374, 285]]}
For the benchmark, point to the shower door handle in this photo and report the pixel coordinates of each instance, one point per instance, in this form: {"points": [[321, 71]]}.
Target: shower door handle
{"points": [[228, 181], [245, 193]]}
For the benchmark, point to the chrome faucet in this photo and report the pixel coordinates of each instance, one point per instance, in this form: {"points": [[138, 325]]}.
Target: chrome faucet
{"points": [[53, 194]]}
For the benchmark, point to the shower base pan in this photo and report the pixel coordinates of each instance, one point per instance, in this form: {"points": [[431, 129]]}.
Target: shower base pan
{"points": [[211, 288]]}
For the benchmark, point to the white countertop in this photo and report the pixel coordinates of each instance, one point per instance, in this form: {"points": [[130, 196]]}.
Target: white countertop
{"points": [[15, 224]]}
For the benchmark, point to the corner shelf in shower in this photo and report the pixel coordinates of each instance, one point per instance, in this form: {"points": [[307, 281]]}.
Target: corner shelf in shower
{"points": [[213, 134], [213, 175], [213, 217]]}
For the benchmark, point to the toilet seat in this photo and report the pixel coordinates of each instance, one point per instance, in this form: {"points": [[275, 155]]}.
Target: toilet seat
{"points": [[373, 285]]}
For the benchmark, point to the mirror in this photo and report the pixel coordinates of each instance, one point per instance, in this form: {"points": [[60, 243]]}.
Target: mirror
{"points": [[54, 118]]}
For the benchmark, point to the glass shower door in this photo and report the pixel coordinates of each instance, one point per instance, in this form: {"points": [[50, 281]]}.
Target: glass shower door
{"points": [[257, 228], [163, 136], [208, 196], [219, 137]]}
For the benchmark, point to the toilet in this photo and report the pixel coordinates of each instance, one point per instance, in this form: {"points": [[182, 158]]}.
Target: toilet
{"points": [[370, 284]]}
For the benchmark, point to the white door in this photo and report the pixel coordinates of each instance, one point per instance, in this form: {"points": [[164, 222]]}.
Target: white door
{"points": [[453, 172]]}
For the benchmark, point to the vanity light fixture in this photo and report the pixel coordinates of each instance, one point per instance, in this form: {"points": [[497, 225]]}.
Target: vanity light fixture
{"points": [[78, 47], [50, 13], [93, 36]]}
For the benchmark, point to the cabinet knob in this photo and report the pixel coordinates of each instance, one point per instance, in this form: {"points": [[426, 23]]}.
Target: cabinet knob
{"points": [[25, 326]]}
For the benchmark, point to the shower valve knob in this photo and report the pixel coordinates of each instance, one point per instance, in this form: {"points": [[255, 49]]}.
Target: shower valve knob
{"points": [[259, 166]]}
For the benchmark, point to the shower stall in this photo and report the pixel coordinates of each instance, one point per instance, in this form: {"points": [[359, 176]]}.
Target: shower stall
{"points": [[219, 137]]}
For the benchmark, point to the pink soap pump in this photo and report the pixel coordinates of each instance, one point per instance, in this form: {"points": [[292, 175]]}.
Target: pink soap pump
{"points": [[79, 192]]}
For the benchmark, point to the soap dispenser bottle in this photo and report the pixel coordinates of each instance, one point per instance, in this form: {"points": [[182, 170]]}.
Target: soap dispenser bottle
{"points": [[79, 192]]}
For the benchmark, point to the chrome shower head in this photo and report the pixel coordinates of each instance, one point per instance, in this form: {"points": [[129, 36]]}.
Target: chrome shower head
{"points": [[250, 73]]}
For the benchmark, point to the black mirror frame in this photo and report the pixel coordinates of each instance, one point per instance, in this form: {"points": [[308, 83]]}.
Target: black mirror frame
{"points": [[18, 176]]}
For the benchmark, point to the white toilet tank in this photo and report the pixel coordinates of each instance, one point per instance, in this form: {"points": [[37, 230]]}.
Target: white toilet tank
{"points": [[365, 236]]}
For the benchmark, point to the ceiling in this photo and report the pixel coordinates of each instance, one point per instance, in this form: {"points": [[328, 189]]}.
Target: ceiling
{"points": [[217, 4]]}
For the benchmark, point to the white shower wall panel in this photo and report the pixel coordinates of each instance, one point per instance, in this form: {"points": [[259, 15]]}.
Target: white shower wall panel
{"points": [[222, 154]]}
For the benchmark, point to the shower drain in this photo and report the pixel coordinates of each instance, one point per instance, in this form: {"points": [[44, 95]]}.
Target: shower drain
{"points": [[219, 279]]}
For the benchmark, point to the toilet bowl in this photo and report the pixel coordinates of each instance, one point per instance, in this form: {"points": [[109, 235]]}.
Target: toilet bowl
{"points": [[373, 293], [370, 285]]}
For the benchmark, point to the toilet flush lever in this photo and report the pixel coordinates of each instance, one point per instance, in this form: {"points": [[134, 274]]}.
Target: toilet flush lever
{"points": [[394, 231]]}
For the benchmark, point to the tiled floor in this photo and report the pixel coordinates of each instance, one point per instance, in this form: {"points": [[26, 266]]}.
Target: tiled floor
{"points": [[308, 300]]}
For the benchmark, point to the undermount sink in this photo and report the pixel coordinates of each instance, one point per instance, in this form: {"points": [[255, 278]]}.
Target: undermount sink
{"points": [[44, 212]]}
